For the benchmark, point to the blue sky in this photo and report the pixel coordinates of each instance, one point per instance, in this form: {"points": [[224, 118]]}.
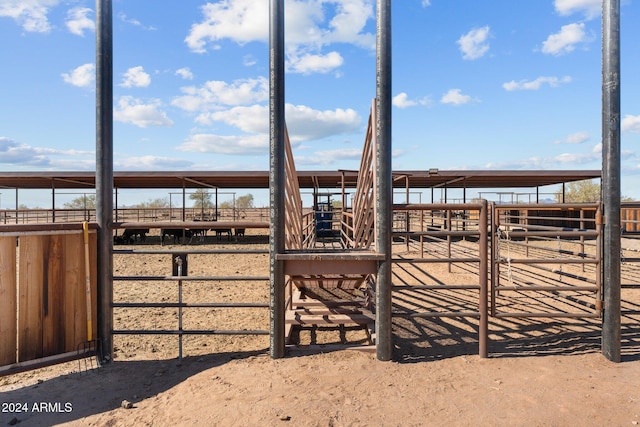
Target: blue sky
{"points": [[494, 84]]}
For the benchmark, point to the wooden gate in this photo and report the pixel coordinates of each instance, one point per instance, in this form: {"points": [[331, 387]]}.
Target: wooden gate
{"points": [[43, 296]]}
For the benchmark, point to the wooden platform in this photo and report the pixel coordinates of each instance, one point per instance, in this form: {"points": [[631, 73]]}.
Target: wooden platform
{"points": [[324, 292]]}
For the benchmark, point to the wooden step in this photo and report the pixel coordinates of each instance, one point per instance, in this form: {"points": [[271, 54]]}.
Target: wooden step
{"points": [[314, 263], [296, 318]]}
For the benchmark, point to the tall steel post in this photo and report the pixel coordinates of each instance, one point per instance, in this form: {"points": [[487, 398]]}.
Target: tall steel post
{"points": [[384, 183], [611, 336], [104, 175], [276, 177]]}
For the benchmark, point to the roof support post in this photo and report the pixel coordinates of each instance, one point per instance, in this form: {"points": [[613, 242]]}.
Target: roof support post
{"points": [[53, 200], [104, 175], [611, 336], [384, 179], [276, 177]]}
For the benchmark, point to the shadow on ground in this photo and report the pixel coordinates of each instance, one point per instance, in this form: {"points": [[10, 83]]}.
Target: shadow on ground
{"points": [[75, 396], [421, 339]]}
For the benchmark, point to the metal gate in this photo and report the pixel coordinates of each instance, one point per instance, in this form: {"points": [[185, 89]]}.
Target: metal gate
{"points": [[440, 263], [546, 261]]}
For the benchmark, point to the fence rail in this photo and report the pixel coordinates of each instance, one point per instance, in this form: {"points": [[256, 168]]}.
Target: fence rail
{"points": [[546, 252], [180, 276]]}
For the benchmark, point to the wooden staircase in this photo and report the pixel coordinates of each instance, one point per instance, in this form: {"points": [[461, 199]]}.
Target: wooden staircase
{"points": [[332, 288]]}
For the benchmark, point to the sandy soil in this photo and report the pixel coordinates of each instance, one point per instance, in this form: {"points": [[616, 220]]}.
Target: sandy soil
{"points": [[540, 372]]}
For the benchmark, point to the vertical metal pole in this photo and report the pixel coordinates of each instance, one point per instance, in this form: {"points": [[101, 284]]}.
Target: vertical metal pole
{"points": [[184, 202], [384, 183], [495, 254], [178, 261], [483, 327], [611, 177], [104, 174], [53, 201], [276, 176]]}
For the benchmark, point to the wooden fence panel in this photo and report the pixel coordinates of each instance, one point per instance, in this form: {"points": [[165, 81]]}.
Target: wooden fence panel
{"points": [[51, 296], [8, 300], [74, 295], [30, 285]]}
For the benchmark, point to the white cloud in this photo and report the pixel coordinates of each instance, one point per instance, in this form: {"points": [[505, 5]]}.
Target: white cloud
{"points": [[135, 112], [14, 153], [251, 119], [330, 157], [82, 76], [565, 41], [402, 100], [78, 20], [304, 123], [535, 84], [185, 73], [309, 63], [134, 22], [136, 77], [426, 3], [590, 8], [473, 45], [630, 124], [215, 94], [249, 60], [560, 161], [31, 15], [151, 163], [226, 144], [349, 22], [242, 21], [308, 26], [574, 138], [455, 97]]}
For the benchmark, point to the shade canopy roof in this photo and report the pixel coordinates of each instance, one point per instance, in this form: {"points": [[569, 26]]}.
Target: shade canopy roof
{"points": [[307, 179]]}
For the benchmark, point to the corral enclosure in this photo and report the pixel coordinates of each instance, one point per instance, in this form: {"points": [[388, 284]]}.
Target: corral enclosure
{"points": [[541, 285]]}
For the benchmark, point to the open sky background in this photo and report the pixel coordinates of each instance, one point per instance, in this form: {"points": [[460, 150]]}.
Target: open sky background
{"points": [[492, 84]]}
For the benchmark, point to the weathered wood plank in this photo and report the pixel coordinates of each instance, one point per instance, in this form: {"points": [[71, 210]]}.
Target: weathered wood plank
{"points": [[53, 288], [93, 257], [8, 301], [333, 319], [30, 292], [73, 302]]}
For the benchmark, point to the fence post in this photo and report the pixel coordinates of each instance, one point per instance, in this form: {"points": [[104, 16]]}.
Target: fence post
{"points": [[276, 177], [611, 336], [104, 175], [383, 179]]}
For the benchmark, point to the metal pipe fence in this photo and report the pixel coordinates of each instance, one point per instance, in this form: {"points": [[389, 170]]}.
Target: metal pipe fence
{"points": [[452, 234], [179, 262], [546, 252]]}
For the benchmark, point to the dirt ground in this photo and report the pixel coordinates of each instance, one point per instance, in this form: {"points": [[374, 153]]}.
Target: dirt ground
{"points": [[541, 372]]}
